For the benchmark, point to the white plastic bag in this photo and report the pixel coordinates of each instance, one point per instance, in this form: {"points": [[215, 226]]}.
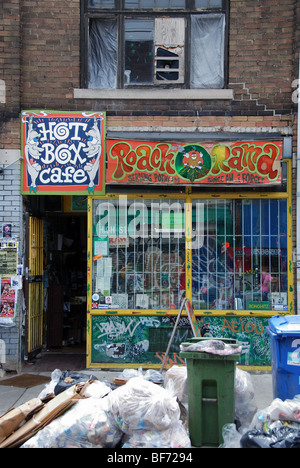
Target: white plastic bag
{"points": [[231, 436], [174, 437], [287, 410], [245, 403], [49, 388], [140, 404], [88, 424], [176, 382], [97, 389]]}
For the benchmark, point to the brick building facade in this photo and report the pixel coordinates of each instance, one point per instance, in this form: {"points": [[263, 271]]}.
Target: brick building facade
{"points": [[42, 56]]}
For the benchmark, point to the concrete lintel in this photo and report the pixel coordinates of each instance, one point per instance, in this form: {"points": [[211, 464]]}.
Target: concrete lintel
{"points": [[155, 94]]}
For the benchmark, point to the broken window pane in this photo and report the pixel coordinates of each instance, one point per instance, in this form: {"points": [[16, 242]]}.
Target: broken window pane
{"points": [[165, 67], [207, 51], [139, 54], [103, 54]]}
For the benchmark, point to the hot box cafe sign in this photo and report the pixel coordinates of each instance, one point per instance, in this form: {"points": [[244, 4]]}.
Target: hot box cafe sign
{"points": [[63, 152], [252, 163]]}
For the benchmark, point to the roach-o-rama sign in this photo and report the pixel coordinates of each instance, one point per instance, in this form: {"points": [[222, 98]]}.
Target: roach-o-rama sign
{"points": [[238, 163], [63, 152]]}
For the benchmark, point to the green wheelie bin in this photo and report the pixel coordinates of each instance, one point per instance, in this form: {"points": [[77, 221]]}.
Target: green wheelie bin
{"points": [[211, 383]]}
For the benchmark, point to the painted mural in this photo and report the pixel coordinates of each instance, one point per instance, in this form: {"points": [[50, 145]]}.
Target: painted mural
{"points": [[144, 339]]}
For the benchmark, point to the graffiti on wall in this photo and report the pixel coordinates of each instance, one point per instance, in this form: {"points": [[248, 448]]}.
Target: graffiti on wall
{"points": [[128, 339]]}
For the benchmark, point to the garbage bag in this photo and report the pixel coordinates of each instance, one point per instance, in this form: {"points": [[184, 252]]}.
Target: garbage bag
{"points": [[245, 403], [231, 436], [176, 381], [69, 378], [97, 389], [154, 376], [175, 436], [216, 347], [141, 404], [282, 437], [49, 387], [88, 424], [287, 410]]}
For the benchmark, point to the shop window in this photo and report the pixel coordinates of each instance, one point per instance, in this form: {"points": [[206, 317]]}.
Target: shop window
{"points": [[138, 254], [144, 44], [238, 250], [241, 261]]}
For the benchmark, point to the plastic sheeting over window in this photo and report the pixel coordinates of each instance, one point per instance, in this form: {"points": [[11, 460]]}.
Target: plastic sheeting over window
{"points": [[138, 55], [103, 54], [207, 51]]}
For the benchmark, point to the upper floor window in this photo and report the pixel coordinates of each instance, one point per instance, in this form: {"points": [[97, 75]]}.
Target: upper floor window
{"points": [[162, 43]]}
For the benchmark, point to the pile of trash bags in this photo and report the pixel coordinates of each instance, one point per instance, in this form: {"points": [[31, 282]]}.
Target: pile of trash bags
{"points": [[148, 410], [277, 426], [139, 413]]}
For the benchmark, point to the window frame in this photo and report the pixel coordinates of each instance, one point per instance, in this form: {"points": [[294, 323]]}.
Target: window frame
{"points": [[119, 13]]}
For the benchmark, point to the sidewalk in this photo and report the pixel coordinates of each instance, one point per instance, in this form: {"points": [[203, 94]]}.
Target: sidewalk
{"points": [[11, 397]]}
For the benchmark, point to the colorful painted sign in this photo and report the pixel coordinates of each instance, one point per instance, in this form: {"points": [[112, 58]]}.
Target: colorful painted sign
{"points": [[239, 163], [63, 152]]}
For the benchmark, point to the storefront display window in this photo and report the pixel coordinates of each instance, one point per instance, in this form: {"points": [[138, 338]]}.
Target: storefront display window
{"points": [[240, 263], [138, 253], [141, 249]]}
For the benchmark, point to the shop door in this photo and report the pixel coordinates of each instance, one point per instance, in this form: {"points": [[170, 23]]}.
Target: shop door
{"points": [[34, 284]]}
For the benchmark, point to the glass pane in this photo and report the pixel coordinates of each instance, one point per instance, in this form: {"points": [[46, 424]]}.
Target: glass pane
{"points": [[132, 4], [139, 50], [103, 54], [239, 262], [208, 3], [141, 245], [201, 3], [207, 51], [101, 4], [139, 4], [147, 3], [162, 3], [177, 3]]}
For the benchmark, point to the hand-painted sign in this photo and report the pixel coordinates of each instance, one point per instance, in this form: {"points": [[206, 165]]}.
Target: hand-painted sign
{"points": [[63, 152], [239, 163]]}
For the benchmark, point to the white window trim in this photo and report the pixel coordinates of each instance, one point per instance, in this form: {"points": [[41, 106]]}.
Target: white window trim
{"points": [[157, 94]]}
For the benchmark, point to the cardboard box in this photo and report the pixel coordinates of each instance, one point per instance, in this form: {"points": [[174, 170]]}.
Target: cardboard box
{"points": [[11, 420], [51, 410]]}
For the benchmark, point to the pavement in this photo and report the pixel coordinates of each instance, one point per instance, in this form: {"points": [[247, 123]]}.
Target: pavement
{"points": [[12, 397]]}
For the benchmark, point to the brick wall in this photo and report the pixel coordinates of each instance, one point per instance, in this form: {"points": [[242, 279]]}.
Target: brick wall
{"points": [[261, 68], [40, 67], [11, 212]]}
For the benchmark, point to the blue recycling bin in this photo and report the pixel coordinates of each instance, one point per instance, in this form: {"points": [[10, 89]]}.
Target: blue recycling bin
{"points": [[285, 355]]}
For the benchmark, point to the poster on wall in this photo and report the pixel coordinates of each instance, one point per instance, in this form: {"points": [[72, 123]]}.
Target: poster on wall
{"points": [[253, 163], [8, 258], [8, 298], [63, 153]]}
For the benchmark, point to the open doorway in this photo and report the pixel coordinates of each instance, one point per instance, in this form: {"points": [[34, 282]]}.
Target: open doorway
{"points": [[65, 280]]}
